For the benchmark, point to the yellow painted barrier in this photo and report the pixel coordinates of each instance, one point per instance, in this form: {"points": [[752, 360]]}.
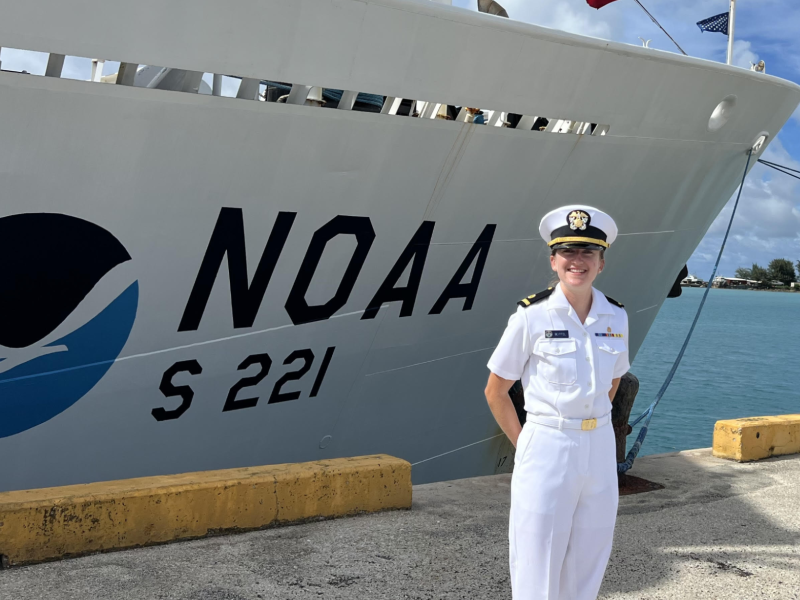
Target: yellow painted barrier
{"points": [[757, 437], [50, 523]]}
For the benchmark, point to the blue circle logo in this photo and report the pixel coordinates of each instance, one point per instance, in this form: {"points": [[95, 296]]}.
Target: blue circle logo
{"points": [[68, 301]]}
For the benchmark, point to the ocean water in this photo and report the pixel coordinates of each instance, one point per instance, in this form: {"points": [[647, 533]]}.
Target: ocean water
{"points": [[743, 361]]}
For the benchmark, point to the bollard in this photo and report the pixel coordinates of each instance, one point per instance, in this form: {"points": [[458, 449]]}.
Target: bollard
{"points": [[621, 412]]}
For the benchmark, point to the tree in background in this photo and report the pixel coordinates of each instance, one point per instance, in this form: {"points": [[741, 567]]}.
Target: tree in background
{"points": [[744, 272], [759, 273], [798, 269], [781, 269]]}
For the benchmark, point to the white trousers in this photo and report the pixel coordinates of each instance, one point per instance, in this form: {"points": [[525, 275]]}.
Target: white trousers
{"points": [[563, 508]]}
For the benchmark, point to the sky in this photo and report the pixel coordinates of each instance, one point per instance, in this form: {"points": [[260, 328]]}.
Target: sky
{"points": [[767, 223]]}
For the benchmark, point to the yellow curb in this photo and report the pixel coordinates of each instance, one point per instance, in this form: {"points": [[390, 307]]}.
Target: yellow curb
{"points": [[51, 523], [757, 437]]}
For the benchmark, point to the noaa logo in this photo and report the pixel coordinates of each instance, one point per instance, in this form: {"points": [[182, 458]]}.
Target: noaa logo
{"points": [[68, 300]]}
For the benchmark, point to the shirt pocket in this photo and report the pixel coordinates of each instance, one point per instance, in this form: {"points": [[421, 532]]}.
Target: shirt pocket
{"points": [[608, 354], [558, 362]]}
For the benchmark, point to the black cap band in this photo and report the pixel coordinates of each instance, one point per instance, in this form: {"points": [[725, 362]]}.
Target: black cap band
{"points": [[590, 232]]}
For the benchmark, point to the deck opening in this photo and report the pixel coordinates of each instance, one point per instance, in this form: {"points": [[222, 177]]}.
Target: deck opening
{"points": [[99, 70]]}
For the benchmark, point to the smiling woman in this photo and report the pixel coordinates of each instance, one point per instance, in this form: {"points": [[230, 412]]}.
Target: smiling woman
{"points": [[568, 346]]}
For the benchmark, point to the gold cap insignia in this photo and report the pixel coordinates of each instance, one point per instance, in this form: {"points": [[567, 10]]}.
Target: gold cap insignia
{"points": [[578, 219]]}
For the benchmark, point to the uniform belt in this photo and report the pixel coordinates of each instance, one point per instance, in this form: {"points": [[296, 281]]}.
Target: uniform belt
{"points": [[561, 423]]}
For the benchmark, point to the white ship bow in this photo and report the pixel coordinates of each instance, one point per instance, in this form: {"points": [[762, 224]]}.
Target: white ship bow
{"points": [[165, 172]]}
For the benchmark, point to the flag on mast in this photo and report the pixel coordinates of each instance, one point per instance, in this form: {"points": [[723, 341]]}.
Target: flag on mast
{"points": [[718, 24], [598, 4]]}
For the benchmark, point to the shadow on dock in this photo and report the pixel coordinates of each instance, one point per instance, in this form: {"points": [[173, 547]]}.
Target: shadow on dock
{"points": [[717, 528], [716, 525]]}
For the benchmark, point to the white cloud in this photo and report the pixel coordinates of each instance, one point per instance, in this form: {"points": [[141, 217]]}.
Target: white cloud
{"points": [[565, 17], [36, 62], [743, 55], [767, 222], [23, 60]]}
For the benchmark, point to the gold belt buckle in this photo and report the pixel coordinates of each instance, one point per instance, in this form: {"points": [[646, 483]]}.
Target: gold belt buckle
{"points": [[588, 424]]}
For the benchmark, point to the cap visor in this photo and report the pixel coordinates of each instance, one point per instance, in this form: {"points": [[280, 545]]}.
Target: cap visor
{"points": [[576, 245]]}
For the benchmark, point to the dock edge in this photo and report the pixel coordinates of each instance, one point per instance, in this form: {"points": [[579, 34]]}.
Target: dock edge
{"points": [[61, 522], [755, 438]]}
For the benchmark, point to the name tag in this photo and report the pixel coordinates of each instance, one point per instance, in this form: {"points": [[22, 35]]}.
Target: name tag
{"points": [[556, 333], [616, 335]]}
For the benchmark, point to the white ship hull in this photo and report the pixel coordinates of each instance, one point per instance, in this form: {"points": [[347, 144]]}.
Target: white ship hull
{"points": [[159, 169]]}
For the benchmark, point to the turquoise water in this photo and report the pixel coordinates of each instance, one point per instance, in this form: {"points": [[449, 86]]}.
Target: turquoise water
{"points": [[742, 361]]}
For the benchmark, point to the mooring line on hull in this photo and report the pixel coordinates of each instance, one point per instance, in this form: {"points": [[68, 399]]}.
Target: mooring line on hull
{"points": [[646, 233], [165, 350], [539, 239], [456, 450], [448, 169], [648, 308], [425, 362], [623, 467], [494, 242], [780, 168]]}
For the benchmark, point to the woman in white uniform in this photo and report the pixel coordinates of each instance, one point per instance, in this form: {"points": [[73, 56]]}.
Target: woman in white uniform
{"points": [[569, 347]]}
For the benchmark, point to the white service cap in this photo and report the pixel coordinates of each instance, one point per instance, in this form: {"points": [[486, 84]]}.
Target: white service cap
{"points": [[578, 225]]}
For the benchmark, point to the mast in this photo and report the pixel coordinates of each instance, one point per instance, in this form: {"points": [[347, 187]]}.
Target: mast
{"points": [[731, 22]]}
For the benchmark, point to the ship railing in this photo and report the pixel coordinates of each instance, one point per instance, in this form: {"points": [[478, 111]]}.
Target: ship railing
{"points": [[248, 88]]}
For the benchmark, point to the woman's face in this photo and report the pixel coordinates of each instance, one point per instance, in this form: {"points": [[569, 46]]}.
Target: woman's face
{"points": [[577, 268]]}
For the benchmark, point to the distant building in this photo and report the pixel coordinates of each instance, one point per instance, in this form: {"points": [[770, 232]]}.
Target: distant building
{"points": [[734, 282], [692, 281]]}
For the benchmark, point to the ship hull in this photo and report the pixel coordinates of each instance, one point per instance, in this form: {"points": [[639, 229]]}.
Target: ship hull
{"points": [[328, 212]]}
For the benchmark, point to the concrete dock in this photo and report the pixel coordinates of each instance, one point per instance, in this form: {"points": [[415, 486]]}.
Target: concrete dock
{"points": [[718, 529]]}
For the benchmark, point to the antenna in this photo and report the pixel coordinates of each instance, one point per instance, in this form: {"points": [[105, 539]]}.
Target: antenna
{"points": [[731, 24], [645, 43]]}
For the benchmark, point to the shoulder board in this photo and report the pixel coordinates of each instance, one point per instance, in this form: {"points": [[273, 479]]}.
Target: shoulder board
{"points": [[614, 302], [534, 298]]}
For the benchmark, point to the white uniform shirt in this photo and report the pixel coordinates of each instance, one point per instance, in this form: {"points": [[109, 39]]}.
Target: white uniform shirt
{"points": [[567, 372]]}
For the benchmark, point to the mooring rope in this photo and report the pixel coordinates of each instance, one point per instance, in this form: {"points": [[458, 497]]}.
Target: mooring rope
{"points": [[648, 414], [783, 169], [419, 462], [653, 19]]}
